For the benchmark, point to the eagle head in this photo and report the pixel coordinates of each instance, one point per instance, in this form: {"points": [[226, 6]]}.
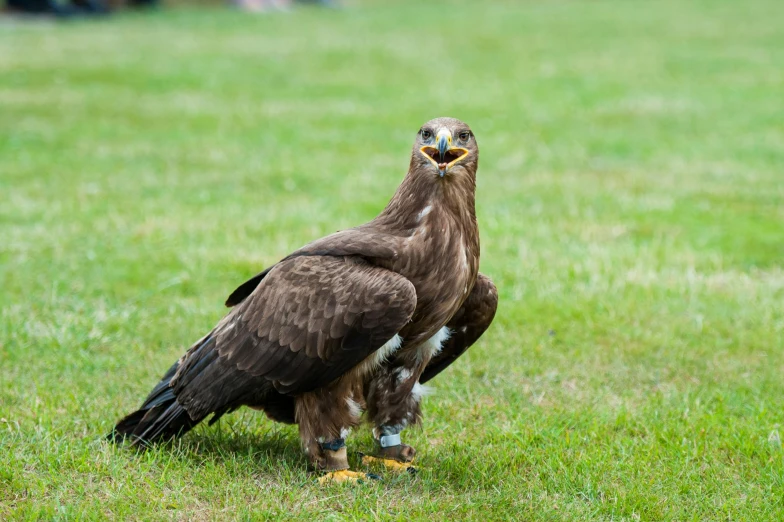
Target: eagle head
{"points": [[446, 147]]}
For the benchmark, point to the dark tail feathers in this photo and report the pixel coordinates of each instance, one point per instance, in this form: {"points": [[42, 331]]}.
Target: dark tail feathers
{"points": [[160, 418]]}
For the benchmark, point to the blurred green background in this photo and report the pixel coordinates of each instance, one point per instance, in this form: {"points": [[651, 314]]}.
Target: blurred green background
{"points": [[631, 206]]}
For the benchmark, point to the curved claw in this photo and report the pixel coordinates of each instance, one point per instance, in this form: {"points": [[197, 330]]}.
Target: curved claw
{"points": [[346, 475]]}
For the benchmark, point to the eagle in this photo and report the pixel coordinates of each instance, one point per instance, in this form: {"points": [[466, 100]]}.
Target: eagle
{"points": [[355, 322]]}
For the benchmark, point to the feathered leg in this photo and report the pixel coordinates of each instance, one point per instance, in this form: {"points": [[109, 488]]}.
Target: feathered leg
{"points": [[393, 398], [325, 418]]}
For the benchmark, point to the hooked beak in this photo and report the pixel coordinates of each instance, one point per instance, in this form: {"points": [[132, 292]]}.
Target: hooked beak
{"points": [[444, 155], [444, 141]]}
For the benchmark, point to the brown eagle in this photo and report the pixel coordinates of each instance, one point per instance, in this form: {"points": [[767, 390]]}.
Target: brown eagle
{"points": [[357, 320]]}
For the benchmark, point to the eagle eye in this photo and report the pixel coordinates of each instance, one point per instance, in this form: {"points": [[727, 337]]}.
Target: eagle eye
{"points": [[464, 136], [426, 134]]}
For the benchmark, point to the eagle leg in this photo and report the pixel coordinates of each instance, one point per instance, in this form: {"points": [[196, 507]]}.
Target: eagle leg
{"points": [[325, 418], [333, 459], [391, 453], [400, 453]]}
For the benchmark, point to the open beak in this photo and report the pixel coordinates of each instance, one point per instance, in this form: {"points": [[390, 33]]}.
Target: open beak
{"points": [[444, 155]]}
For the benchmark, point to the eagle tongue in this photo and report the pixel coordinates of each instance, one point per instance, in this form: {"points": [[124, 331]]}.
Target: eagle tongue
{"points": [[441, 169]]}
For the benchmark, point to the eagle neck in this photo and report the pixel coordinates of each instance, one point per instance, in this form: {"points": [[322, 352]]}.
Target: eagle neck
{"points": [[421, 194]]}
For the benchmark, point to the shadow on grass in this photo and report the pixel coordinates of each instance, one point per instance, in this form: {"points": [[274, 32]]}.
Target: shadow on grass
{"points": [[245, 437], [241, 441], [265, 442], [246, 446]]}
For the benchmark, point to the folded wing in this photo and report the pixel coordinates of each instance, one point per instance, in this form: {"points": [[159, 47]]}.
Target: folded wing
{"points": [[308, 321], [467, 326]]}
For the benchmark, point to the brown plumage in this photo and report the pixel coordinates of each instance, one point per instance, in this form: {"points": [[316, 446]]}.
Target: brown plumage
{"points": [[356, 320]]}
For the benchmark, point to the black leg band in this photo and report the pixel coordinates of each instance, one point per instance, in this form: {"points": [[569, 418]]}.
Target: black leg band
{"points": [[333, 445]]}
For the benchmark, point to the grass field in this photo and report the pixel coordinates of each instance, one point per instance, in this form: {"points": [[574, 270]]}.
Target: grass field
{"points": [[631, 204]]}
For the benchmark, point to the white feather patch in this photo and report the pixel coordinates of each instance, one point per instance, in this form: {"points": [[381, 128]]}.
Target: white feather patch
{"points": [[419, 391], [403, 374], [353, 407], [380, 356], [388, 349], [432, 346], [425, 211]]}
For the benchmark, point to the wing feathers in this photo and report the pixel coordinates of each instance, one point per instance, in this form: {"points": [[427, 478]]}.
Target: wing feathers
{"points": [[309, 320], [362, 242]]}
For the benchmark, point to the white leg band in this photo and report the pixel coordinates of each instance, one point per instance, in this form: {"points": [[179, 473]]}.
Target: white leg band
{"points": [[388, 441]]}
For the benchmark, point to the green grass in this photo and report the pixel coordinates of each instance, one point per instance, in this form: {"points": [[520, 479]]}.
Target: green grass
{"points": [[631, 204]]}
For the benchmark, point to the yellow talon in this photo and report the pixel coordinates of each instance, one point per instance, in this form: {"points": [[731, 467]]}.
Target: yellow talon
{"points": [[390, 464], [345, 475]]}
